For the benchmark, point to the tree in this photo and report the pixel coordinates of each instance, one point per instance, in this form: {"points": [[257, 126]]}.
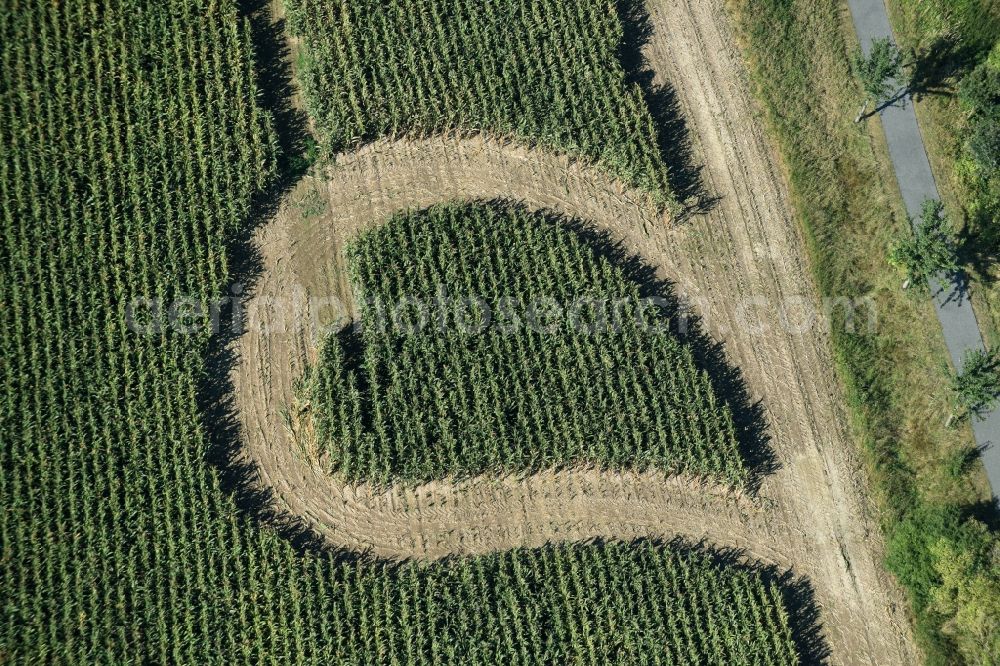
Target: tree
{"points": [[977, 387], [984, 143], [931, 249], [979, 95], [968, 596], [979, 90], [877, 71]]}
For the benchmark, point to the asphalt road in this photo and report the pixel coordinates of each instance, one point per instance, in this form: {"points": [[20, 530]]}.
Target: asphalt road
{"points": [[916, 182]]}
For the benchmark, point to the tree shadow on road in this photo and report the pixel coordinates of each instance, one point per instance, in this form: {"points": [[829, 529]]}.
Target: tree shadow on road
{"points": [[933, 70]]}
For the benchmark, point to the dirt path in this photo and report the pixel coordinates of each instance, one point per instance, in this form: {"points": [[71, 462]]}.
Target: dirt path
{"points": [[745, 251]]}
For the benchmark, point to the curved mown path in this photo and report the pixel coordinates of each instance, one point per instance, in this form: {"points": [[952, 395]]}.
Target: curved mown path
{"points": [[741, 267]]}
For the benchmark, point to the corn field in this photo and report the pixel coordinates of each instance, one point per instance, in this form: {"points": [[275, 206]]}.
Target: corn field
{"points": [[134, 145], [488, 388], [541, 71], [635, 603]]}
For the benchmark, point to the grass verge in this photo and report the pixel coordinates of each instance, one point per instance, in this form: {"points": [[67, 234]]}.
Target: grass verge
{"points": [[946, 41], [847, 202]]}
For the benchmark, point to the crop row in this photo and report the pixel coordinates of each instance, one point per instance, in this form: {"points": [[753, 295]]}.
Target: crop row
{"points": [[635, 603], [597, 376], [541, 71], [134, 146]]}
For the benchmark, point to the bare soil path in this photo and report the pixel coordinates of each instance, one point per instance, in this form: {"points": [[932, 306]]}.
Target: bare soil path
{"points": [[741, 265]]}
